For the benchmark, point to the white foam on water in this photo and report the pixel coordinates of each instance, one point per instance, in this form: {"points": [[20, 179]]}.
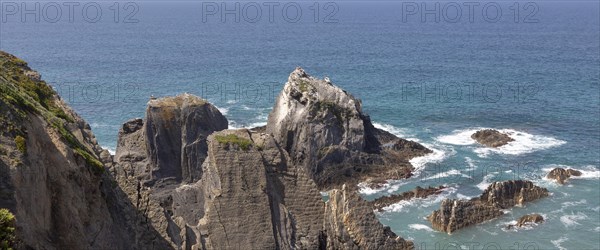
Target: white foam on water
{"points": [[573, 203], [571, 220], [363, 188], [257, 124], [486, 181], [556, 243], [438, 155], [463, 197], [420, 202], [459, 137], [420, 227], [471, 163], [446, 174], [231, 101], [223, 110], [389, 128], [111, 150], [523, 143], [587, 172], [389, 186]]}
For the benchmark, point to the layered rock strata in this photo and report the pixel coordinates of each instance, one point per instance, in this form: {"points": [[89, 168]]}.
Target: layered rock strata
{"points": [[456, 214]]}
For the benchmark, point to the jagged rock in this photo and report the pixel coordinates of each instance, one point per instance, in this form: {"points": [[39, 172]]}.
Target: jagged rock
{"points": [[418, 192], [351, 224], [491, 138], [324, 129], [511, 193], [561, 175], [456, 214]]}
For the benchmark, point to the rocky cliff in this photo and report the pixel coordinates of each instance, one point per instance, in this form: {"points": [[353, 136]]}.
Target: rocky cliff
{"points": [[456, 214], [324, 129], [51, 176]]}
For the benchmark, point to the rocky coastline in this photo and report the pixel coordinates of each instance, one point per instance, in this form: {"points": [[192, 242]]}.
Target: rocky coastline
{"points": [[180, 179]]}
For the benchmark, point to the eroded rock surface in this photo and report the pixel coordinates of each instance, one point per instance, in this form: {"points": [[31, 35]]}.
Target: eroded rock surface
{"points": [[52, 177], [491, 138], [324, 129], [456, 214], [418, 192], [351, 224], [159, 159], [561, 175]]}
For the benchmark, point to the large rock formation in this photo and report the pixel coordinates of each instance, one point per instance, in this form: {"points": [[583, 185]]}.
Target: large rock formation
{"points": [[456, 214], [491, 138], [324, 130], [247, 184], [51, 176], [158, 156], [418, 192], [561, 175]]}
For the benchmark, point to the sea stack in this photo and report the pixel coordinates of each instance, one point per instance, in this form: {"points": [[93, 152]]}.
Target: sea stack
{"points": [[324, 129]]}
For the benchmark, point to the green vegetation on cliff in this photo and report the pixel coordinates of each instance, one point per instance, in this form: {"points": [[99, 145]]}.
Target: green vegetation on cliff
{"points": [[7, 229], [22, 92], [243, 143]]}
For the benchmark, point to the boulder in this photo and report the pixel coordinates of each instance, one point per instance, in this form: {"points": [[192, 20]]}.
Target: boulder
{"points": [[456, 214], [491, 138], [561, 175]]}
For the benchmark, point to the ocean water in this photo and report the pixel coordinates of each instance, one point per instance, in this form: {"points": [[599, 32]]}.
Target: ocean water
{"points": [[534, 74]]}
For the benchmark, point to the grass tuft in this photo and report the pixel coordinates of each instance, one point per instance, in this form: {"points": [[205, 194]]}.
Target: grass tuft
{"points": [[232, 139]]}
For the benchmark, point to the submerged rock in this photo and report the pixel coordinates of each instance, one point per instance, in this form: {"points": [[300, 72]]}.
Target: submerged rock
{"points": [[491, 138], [418, 192], [456, 214], [324, 129], [530, 218], [561, 175]]}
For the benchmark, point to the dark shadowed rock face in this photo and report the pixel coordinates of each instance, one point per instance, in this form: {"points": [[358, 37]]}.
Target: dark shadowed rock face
{"points": [[561, 175], [491, 138], [456, 214], [418, 192], [157, 157], [324, 129], [351, 224]]}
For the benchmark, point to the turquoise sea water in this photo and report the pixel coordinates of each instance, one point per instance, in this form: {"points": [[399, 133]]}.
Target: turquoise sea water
{"points": [[433, 82]]}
